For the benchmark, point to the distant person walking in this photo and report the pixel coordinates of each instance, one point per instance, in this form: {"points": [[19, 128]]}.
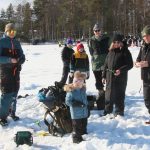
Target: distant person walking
{"points": [[11, 59], [143, 62]]}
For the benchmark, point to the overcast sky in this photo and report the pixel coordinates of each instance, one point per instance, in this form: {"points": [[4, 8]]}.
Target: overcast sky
{"points": [[5, 3]]}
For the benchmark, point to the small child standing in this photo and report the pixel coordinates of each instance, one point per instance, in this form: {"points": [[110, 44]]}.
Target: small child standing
{"points": [[76, 99]]}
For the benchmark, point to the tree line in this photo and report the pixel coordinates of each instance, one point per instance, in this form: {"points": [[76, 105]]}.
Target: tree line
{"points": [[51, 20]]}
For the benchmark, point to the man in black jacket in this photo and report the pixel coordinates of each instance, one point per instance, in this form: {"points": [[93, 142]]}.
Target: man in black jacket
{"points": [[143, 62]]}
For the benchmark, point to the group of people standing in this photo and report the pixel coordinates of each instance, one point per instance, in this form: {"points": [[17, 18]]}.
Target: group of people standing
{"points": [[110, 61]]}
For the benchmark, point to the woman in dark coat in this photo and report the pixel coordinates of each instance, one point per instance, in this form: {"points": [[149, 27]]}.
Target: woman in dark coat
{"points": [[117, 64]]}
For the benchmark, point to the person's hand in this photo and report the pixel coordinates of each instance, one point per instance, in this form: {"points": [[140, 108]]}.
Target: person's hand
{"points": [[144, 64], [137, 64], [141, 64], [117, 72], [14, 61], [70, 74], [103, 80]]}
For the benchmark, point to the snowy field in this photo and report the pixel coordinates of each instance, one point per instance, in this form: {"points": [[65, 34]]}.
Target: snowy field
{"points": [[43, 66]]}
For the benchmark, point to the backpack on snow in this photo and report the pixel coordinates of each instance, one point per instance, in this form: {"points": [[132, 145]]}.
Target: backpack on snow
{"points": [[53, 99]]}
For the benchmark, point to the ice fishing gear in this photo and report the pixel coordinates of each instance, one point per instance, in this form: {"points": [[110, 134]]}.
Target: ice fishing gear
{"points": [[23, 137], [53, 99]]}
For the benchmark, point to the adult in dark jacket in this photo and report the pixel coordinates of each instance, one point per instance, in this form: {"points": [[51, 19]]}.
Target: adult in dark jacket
{"points": [[66, 56], [11, 59], [117, 64], [143, 62], [98, 48]]}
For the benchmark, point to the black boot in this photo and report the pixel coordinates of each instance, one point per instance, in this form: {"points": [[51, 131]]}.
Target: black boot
{"points": [[14, 117], [3, 122], [77, 138]]}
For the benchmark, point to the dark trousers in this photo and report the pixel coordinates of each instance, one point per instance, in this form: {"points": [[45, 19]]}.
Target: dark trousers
{"points": [[65, 73], [117, 98], [79, 127], [146, 93], [98, 77], [10, 85]]}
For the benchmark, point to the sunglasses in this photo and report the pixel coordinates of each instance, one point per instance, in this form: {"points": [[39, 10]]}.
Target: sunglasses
{"points": [[12, 32], [96, 30]]}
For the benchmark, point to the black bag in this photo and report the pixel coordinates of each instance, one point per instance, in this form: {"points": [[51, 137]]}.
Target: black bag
{"points": [[53, 99], [23, 137], [61, 123]]}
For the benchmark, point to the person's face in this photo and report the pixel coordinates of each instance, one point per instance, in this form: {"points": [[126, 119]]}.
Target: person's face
{"points": [[146, 38], [78, 83], [69, 45], [97, 32], [116, 44], [11, 33]]}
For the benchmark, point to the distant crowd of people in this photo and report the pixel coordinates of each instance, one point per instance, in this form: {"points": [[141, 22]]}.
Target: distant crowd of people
{"points": [[110, 60]]}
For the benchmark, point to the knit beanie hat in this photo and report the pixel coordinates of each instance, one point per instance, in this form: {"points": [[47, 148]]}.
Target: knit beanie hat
{"points": [[80, 46], [146, 31], [96, 27], [69, 41], [9, 26], [117, 37]]}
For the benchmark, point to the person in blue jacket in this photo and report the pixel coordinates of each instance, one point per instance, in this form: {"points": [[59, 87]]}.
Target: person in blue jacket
{"points": [[11, 59], [76, 99]]}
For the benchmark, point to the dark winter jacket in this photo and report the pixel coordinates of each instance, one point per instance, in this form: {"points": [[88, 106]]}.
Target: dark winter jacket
{"points": [[79, 61], [144, 55], [117, 59], [10, 48], [66, 55], [76, 99], [98, 49]]}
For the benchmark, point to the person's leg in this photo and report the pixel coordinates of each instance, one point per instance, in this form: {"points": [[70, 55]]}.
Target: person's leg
{"points": [[146, 93], [64, 74], [119, 100], [16, 87], [5, 103], [98, 77], [77, 130], [84, 126]]}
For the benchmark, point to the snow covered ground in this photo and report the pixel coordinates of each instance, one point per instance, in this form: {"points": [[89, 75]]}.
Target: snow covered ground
{"points": [[42, 67]]}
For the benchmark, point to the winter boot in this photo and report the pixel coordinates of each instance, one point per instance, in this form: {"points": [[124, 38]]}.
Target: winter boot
{"points": [[14, 117], [77, 138], [3, 122], [100, 100]]}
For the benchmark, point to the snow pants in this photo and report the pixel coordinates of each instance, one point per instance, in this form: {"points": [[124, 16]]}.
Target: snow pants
{"points": [[9, 86]]}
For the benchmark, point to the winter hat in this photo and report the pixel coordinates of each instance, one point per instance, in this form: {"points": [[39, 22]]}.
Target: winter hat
{"points": [[96, 27], [146, 31], [9, 26], [80, 46], [79, 75], [117, 37], [69, 41]]}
